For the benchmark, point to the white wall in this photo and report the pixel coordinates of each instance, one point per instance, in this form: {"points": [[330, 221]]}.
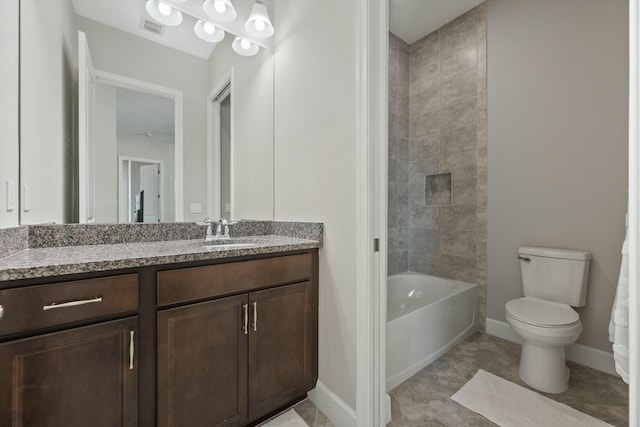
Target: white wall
{"points": [[105, 152], [315, 140], [48, 56], [557, 135], [9, 144], [124, 54], [251, 127]]}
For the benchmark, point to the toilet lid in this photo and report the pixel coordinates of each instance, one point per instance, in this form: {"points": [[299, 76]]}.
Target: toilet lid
{"points": [[539, 312]]}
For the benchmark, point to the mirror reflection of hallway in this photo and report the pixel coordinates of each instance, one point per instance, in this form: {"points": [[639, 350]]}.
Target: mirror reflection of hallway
{"points": [[140, 190], [133, 128]]}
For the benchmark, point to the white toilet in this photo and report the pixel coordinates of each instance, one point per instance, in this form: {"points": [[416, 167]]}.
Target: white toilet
{"points": [[553, 280]]}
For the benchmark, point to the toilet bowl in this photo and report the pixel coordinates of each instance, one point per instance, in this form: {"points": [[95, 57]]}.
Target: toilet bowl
{"points": [[545, 327]]}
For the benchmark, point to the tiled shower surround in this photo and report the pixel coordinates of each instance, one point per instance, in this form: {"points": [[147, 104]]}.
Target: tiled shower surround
{"points": [[438, 153]]}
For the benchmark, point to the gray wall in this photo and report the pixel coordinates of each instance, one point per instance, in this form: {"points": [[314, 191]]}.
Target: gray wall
{"points": [[438, 153], [557, 108]]}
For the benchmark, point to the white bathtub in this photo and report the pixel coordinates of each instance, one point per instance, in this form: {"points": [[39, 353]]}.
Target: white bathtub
{"points": [[426, 316]]}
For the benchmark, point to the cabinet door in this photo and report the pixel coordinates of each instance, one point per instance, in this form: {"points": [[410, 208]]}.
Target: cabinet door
{"points": [[80, 377], [281, 343], [202, 364]]}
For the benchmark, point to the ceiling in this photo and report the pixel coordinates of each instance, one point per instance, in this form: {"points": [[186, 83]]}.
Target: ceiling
{"points": [[144, 114], [411, 20], [129, 15]]}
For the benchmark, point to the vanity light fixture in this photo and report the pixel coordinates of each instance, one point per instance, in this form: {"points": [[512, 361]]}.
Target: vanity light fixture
{"points": [[208, 32], [221, 10], [162, 12], [244, 47], [259, 24]]}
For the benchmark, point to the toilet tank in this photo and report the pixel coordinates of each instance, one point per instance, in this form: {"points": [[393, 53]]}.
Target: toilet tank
{"points": [[558, 275]]}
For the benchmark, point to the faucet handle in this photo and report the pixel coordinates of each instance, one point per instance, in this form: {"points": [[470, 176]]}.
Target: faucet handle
{"points": [[205, 221], [226, 224]]}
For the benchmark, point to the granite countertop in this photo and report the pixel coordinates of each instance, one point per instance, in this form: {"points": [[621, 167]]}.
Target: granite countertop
{"points": [[46, 262]]}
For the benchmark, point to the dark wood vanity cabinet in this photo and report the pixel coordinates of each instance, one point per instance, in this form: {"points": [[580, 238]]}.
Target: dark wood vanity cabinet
{"points": [[231, 360], [74, 377], [204, 344], [202, 364]]}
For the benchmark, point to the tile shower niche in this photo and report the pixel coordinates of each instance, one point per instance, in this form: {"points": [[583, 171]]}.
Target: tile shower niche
{"points": [[437, 189]]}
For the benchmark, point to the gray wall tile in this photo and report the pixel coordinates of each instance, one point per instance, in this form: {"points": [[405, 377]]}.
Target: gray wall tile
{"points": [[464, 191], [459, 62], [459, 243], [462, 164], [457, 218], [459, 88], [454, 139], [437, 113], [457, 267]]}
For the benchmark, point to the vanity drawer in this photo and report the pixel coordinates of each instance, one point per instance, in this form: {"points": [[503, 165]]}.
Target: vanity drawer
{"points": [[194, 283], [41, 306]]}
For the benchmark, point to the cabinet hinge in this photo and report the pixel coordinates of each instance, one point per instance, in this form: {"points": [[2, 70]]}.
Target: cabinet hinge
{"points": [[376, 245]]}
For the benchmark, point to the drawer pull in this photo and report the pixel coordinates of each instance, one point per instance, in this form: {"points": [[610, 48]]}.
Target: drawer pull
{"points": [[1, 311], [71, 303], [255, 316], [131, 350], [245, 325]]}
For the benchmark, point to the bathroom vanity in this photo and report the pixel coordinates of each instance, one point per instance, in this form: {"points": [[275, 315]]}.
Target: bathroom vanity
{"points": [[183, 335]]}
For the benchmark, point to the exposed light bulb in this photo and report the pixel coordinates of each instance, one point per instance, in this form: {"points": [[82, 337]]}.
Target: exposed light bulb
{"points": [[162, 12], [244, 47], [208, 28], [219, 6], [164, 8], [258, 24]]}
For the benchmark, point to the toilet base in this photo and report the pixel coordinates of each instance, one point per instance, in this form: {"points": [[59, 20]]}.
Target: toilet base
{"points": [[544, 368]]}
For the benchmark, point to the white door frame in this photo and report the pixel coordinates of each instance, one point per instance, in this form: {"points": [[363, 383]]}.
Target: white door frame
{"points": [[634, 213], [122, 169], [372, 403], [213, 147], [117, 80], [86, 161]]}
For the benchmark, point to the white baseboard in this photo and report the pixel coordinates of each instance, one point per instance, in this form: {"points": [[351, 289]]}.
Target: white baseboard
{"points": [[332, 406], [578, 353]]}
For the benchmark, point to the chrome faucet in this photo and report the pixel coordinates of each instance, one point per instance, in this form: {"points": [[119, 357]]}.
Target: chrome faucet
{"points": [[221, 231]]}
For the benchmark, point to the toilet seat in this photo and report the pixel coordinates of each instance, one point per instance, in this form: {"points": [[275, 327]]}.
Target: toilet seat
{"points": [[541, 313]]}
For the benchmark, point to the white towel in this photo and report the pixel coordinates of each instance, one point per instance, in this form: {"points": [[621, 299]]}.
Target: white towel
{"points": [[619, 323]]}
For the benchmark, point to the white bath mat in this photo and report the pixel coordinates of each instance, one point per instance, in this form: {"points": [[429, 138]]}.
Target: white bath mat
{"points": [[508, 404], [288, 419]]}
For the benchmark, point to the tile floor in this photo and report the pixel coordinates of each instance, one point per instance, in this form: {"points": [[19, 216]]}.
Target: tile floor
{"points": [[312, 415], [424, 399]]}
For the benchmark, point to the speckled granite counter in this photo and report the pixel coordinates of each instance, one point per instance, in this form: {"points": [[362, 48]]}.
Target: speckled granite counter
{"points": [[46, 262]]}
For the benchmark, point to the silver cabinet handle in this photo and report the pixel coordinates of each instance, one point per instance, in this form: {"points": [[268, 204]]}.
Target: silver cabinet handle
{"points": [[245, 324], [71, 303], [255, 316], [1, 311], [131, 349]]}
